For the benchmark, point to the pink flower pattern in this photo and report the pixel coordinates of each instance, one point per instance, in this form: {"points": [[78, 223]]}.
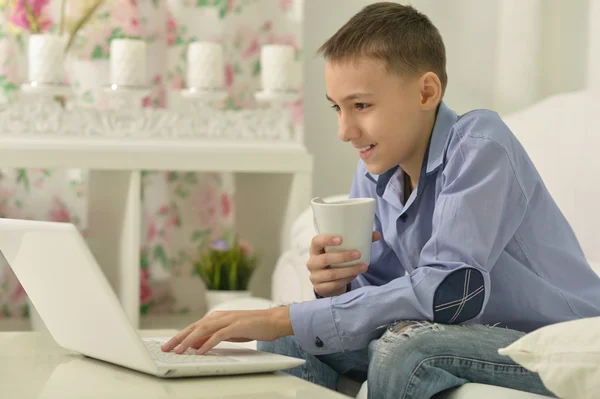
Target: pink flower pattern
{"points": [[177, 82], [252, 50], [145, 290], [20, 19], [286, 5], [205, 204], [59, 212], [229, 75], [286, 39], [171, 31], [7, 207], [226, 205], [231, 5], [17, 294]]}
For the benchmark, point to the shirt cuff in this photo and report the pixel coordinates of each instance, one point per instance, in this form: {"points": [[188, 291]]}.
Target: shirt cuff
{"points": [[314, 327], [348, 288]]}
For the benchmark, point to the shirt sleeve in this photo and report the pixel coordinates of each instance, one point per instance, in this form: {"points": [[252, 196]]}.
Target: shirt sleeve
{"points": [[480, 206]]}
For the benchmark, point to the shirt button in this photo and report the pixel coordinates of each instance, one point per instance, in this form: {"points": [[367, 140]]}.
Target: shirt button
{"points": [[403, 217], [319, 343]]}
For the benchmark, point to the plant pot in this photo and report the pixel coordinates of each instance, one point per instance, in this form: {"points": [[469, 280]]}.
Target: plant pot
{"points": [[218, 297]]}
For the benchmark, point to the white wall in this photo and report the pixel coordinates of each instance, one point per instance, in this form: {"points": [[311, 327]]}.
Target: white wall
{"points": [[470, 31], [566, 45], [335, 161]]}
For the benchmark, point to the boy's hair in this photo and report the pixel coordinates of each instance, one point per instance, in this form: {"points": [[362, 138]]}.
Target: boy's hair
{"points": [[398, 34]]}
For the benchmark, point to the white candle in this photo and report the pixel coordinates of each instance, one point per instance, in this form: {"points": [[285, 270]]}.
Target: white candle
{"points": [[205, 68], [45, 58], [278, 69], [128, 62]]}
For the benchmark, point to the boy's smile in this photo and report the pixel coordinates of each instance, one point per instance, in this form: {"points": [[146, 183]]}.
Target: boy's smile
{"points": [[366, 151]]}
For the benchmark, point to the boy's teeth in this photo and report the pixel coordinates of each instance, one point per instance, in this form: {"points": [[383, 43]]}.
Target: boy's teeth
{"points": [[366, 148]]}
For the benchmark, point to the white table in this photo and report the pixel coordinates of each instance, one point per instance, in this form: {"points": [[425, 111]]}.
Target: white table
{"points": [[264, 171], [32, 365]]}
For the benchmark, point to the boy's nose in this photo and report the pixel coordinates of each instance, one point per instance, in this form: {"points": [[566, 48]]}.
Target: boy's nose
{"points": [[348, 131]]}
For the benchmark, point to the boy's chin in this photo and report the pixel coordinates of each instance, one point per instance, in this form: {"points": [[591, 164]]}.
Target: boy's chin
{"points": [[377, 168]]}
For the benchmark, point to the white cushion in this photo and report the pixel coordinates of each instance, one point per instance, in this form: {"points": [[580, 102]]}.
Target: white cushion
{"points": [[473, 391], [565, 355], [250, 303], [560, 134], [290, 280], [481, 391]]}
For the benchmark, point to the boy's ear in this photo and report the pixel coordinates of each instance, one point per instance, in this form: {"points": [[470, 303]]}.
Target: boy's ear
{"points": [[431, 90]]}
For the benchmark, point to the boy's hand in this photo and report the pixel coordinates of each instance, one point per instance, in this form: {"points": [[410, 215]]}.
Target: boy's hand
{"points": [[332, 281], [232, 326]]}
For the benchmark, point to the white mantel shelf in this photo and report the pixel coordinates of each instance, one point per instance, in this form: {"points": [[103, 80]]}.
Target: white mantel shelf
{"points": [[154, 154]]}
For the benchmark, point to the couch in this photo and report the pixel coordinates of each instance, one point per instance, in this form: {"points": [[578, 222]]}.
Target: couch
{"points": [[561, 137]]}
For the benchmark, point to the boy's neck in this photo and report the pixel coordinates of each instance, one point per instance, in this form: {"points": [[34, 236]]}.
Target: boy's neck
{"points": [[412, 166]]}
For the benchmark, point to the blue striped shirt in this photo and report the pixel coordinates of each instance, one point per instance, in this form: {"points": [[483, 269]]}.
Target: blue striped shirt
{"points": [[479, 240]]}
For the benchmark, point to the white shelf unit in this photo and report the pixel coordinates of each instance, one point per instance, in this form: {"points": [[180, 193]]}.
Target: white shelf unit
{"points": [[273, 172]]}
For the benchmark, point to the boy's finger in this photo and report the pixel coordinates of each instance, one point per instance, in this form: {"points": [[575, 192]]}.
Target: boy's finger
{"points": [[176, 340], [321, 261], [376, 236], [338, 274], [335, 258], [319, 242]]}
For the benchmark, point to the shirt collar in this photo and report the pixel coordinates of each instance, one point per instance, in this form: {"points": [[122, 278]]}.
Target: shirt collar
{"points": [[434, 155], [445, 119]]}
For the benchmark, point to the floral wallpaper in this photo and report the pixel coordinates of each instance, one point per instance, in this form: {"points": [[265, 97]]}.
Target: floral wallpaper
{"points": [[182, 211]]}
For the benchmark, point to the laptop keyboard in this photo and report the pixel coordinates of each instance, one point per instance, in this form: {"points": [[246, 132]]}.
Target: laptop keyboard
{"points": [[189, 356]]}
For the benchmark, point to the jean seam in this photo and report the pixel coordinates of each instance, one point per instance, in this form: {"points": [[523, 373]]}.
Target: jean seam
{"points": [[432, 358]]}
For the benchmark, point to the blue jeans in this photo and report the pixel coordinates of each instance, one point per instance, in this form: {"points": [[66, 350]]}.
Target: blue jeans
{"points": [[417, 360]]}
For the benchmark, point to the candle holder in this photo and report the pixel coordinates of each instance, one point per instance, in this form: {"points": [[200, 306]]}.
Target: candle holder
{"points": [[277, 98], [38, 114], [46, 95], [204, 96], [45, 89], [126, 97], [278, 115]]}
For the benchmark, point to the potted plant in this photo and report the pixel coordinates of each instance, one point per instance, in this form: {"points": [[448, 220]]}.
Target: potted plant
{"points": [[226, 269]]}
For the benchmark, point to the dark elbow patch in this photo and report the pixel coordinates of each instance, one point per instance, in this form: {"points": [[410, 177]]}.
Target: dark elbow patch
{"points": [[459, 297]]}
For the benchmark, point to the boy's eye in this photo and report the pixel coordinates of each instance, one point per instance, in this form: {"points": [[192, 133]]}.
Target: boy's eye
{"points": [[358, 106]]}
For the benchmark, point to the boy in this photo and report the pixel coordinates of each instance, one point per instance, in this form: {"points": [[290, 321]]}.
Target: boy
{"points": [[465, 233]]}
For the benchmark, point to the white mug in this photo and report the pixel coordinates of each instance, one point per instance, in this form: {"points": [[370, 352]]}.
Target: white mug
{"points": [[352, 220]]}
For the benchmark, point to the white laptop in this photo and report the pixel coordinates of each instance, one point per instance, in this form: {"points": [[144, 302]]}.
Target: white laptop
{"points": [[82, 313]]}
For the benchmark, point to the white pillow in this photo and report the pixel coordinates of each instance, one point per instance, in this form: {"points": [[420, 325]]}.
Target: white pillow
{"points": [[565, 355], [290, 280]]}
